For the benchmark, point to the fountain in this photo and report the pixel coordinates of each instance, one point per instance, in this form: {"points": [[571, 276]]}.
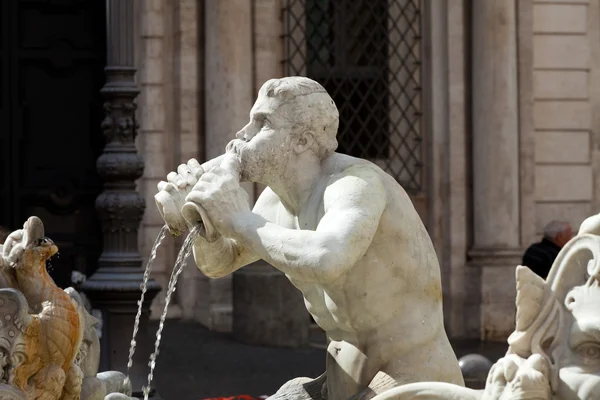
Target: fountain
{"points": [[184, 253], [349, 238], [347, 235], [554, 352], [49, 347]]}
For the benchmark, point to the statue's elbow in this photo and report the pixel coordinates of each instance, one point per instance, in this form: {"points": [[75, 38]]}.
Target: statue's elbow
{"points": [[330, 266]]}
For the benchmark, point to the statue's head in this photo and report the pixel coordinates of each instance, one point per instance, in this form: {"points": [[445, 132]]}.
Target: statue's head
{"points": [[560, 318], [29, 248], [291, 116], [579, 372]]}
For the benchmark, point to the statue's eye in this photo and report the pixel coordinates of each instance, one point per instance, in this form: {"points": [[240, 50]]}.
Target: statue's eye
{"points": [[41, 241], [589, 351]]}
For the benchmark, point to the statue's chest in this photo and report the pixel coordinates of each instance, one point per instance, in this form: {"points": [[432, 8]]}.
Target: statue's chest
{"points": [[307, 219]]}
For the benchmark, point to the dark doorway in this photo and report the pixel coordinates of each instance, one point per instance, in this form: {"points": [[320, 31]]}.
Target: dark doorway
{"points": [[52, 56]]}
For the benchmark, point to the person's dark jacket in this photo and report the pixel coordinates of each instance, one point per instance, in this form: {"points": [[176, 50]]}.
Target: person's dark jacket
{"points": [[540, 256]]}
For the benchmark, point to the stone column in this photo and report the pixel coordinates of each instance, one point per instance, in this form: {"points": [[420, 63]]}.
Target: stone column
{"points": [[228, 76], [115, 286], [240, 41], [267, 308], [496, 230]]}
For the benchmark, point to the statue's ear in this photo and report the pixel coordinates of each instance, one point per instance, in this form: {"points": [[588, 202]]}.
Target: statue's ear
{"points": [[304, 141]]}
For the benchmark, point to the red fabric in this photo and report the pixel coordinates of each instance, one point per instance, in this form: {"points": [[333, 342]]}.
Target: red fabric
{"points": [[238, 397]]}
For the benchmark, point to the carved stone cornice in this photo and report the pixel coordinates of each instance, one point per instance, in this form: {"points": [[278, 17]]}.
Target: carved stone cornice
{"points": [[495, 257]]}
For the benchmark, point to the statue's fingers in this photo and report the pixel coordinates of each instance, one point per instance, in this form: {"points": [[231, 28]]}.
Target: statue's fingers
{"points": [[198, 195], [208, 177], [496, 382], [166, 186], [186, 173], [195, 167], [6, 247], [176, 180], [15, 253], [538, 363], [510, 369], [16, 235], [11, 240]]}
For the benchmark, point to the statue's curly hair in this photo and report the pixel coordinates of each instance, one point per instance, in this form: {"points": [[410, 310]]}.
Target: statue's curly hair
{"points": [[323, 118]]}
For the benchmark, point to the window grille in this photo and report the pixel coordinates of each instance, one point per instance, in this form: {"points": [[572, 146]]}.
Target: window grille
{"points": [[367, 54]]}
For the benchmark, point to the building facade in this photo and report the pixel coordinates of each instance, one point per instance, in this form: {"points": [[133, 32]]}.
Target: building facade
{"points": [[485, 111]]}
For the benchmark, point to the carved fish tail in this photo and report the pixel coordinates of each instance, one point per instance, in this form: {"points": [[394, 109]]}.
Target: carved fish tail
{"points": [[62, 328]]}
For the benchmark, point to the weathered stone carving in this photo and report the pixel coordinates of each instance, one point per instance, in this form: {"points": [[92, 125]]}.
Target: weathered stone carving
{"points": [[49, 347], [554, 352], [349, 238], [343, 231]]}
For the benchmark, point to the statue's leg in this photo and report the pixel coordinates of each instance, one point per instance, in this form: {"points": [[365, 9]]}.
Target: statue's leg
{"points": [[302, 389], [72, 387]]}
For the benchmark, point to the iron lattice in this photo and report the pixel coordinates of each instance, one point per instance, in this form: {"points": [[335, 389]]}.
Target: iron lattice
{"points": [[367, 54]]}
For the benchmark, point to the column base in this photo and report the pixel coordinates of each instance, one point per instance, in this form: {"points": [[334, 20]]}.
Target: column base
{"points": [[498, 290], [267, 308], [116, 291]]}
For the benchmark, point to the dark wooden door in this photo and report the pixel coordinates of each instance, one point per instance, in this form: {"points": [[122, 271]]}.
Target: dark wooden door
{"points": [[52, 55]]}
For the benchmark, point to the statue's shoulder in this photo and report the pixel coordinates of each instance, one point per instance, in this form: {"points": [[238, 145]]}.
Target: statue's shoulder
{"points": [[341, 166]]}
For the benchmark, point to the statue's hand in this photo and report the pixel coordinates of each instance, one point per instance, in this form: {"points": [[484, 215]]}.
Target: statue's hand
{"points": [[514, 378], [219, 193], [14, 246], [187, 175]]}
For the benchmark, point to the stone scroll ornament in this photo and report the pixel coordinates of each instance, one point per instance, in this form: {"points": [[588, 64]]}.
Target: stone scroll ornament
{"points": [[49, 346], [554, 352]]}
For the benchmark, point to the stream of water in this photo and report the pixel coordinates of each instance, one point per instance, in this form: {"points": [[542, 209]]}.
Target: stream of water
{"points": [[184, 252], [159, 239]]}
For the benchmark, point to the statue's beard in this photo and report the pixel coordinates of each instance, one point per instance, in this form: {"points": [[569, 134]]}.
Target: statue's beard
{"points": [[257, 165]]}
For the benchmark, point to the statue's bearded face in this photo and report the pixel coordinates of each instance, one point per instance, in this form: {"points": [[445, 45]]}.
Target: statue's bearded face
{"points": [[265, 143], [579, 360]]}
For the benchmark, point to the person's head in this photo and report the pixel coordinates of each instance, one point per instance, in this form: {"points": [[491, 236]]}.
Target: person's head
{"points": [[291, 116], [558, 232]]}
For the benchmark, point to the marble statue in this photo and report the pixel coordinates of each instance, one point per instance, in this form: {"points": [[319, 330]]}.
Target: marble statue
{"points": [[554, 352], [344, 232], [49, 347]]}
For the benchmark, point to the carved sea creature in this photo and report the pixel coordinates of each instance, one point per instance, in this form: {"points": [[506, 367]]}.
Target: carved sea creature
{"points": [[554, 352], [52, 334]]}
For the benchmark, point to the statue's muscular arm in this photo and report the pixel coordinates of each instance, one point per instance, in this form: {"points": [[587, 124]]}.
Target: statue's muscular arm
{"points": [[227, 255], [354, 202]]}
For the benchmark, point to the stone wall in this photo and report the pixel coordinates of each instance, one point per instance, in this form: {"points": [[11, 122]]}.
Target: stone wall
{"points": [[563, 59], [153, 141], [168, 49], [198, 83]]}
